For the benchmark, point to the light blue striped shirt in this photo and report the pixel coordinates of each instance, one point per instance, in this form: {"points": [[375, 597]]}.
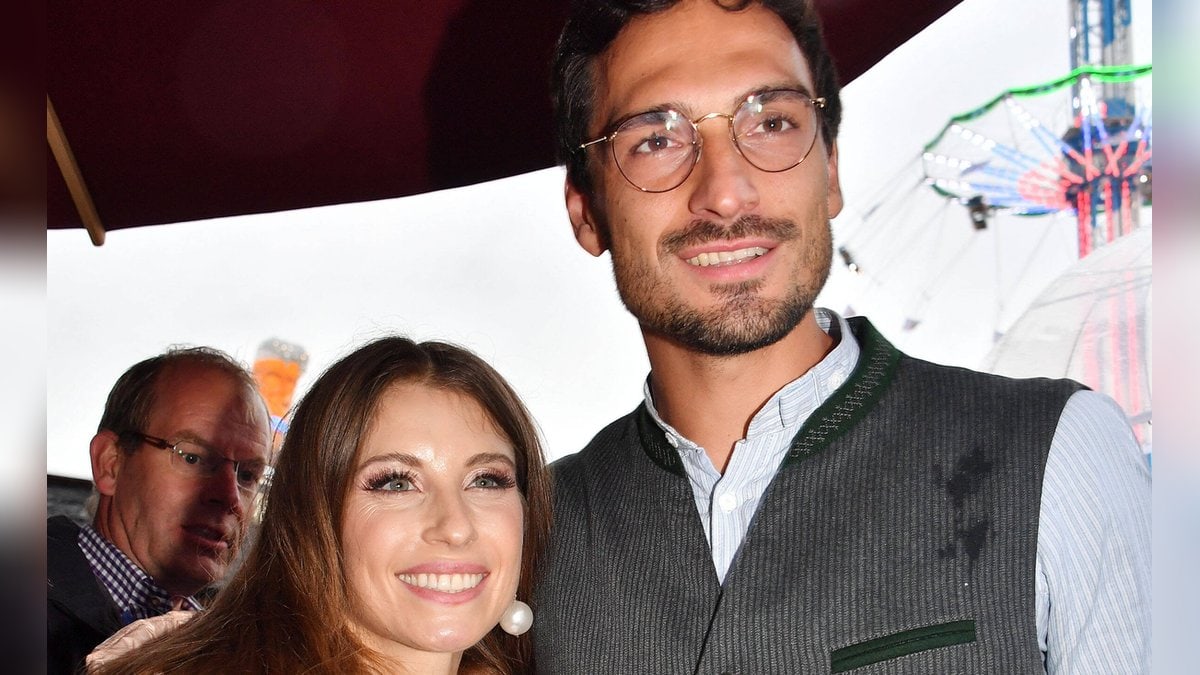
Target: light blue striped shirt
{"points": [[1093, 546]]}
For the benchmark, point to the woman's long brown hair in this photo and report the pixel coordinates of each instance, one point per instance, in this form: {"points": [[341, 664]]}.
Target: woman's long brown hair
{"points": [[285, 609]]}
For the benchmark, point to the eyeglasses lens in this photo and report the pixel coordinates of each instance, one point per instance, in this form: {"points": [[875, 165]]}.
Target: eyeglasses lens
{"points": [[774, 131], [196, 460]]}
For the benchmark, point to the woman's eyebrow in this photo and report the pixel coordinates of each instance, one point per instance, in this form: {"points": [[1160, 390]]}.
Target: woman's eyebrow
{"points": [[388, 457], [489, 457], [414, 461]]}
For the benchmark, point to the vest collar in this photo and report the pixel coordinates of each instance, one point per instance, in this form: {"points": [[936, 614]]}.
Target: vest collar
{"points": [[845, 407]]}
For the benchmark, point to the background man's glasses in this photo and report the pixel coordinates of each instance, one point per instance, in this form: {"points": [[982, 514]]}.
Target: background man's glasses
{"points": [[189, 458], [657, 150]]}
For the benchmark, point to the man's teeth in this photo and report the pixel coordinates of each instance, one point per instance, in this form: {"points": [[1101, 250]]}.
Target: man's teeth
{"points": [[726, 257], [444, 583], [207, 533]]}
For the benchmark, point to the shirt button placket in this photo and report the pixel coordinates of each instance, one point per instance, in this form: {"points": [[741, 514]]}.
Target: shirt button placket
{"points": [[728, 502]]}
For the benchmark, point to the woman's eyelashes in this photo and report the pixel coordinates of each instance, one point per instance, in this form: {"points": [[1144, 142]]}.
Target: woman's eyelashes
{"points": [[493, 480], [392, 480]]}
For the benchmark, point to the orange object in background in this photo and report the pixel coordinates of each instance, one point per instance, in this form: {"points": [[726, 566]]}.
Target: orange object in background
{"points": [[277, 382], [277, 367]]}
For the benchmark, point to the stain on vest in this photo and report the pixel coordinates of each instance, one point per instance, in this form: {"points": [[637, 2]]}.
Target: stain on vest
{"points": [[970, 472]]}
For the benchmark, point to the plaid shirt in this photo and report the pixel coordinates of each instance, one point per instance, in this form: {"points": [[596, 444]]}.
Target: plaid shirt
{"points": [[134, 592]]}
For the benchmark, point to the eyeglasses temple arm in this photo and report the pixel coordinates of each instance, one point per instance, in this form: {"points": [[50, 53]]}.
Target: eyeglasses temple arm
{"points": [[602, 139]]}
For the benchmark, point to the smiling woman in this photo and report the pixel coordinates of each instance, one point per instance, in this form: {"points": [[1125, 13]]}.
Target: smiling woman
{"points": [[433, 526], [406, 515]]}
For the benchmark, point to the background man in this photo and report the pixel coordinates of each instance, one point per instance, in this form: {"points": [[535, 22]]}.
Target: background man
{"points": [[795, 495], [180, 453]]}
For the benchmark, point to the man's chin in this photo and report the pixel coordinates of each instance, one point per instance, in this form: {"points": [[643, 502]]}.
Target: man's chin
{"points": [[734, 329], [207, 568], [715, 343]]}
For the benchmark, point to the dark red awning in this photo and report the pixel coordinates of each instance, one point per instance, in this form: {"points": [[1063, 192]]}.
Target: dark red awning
{"points": [[182, 111]]}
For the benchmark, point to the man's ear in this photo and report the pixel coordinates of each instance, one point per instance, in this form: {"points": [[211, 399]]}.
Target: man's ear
{"points": [[833, 195], [107, 458], [583, 221]]}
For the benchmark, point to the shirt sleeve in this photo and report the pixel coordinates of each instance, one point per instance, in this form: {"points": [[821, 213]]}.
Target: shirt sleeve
{"points": [[1093, 545]]}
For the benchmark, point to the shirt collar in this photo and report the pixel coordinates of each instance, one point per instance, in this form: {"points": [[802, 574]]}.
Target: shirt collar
{"points": [[784, 411], [133, 591]]}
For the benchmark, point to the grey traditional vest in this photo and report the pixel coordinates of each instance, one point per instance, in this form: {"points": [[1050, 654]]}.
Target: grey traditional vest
{"points": [[898, 536]]}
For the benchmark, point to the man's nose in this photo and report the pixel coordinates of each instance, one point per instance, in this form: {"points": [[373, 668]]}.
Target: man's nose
{"points": [[722, 184], [223, 487]]}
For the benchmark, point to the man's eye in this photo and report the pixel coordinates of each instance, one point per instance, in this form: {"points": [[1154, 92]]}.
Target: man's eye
{"points": [[250, 476], [191, 458], [773, 124], [655, 143]]}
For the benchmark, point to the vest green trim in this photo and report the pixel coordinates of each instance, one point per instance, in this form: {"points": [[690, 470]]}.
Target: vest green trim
{"points": [[853, 400], [654, 443], [902, 644], [850, 403]]}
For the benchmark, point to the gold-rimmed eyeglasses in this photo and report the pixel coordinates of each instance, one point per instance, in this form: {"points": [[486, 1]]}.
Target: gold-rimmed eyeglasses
{"points": [[190, 458], [655, 151]]}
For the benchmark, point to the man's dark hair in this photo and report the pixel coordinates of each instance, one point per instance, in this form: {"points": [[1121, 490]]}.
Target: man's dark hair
{"points": [[591, 27], [132, 398]]}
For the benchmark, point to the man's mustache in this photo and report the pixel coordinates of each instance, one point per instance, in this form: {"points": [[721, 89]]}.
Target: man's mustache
{"points": [[706, 231]]}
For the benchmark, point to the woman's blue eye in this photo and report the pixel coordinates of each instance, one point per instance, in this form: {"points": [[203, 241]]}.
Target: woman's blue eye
{"points": [[493, 481], [391, 482]]}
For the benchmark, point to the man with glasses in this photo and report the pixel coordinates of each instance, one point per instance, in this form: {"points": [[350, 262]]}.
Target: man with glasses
{"points": [[180, 455], [795, 495]]}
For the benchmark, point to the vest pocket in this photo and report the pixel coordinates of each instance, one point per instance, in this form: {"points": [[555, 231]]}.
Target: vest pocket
{"points": [[902, 644]]}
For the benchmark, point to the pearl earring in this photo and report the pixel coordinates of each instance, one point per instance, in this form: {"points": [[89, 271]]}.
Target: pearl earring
{"points": [[517, 619]]}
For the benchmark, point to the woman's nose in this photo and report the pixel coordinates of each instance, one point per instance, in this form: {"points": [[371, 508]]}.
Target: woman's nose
{"points": [[451, 520]]}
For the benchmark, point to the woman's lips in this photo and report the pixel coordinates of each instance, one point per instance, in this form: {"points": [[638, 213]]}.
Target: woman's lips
{"points": [[447, 583], [444, 583]]}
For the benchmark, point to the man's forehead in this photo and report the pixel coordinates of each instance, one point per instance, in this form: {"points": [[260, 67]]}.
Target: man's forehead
{"points": [[204, 389], [185, 377], [697, 55]]}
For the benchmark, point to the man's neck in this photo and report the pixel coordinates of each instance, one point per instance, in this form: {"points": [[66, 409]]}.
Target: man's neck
{"points": [[106, 524], [711, 399]]}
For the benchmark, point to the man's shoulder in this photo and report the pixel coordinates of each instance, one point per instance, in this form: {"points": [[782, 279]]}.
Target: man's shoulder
{"points": [[62, 527], [905, 380], [65, 562], [70, 581], [62, 540], [951, 380], [613, 437], [617, 444], [80, 612]]}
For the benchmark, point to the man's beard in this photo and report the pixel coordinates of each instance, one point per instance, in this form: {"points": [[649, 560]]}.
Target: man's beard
{"points": [[741, 321]]}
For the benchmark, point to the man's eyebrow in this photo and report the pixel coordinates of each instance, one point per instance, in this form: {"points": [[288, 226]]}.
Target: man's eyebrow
{"points": [[193, 437], [790, 84], [615, 119]]}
